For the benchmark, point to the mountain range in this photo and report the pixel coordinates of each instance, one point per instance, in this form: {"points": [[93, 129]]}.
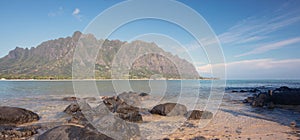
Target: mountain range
{"points": [[53, 59]]}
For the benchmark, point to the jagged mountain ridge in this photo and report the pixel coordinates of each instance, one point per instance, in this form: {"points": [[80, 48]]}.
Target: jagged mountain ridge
{"points": [[54, 59]]}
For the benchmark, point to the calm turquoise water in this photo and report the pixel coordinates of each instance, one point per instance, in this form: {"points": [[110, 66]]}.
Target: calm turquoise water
{"points": [[17, 89]]}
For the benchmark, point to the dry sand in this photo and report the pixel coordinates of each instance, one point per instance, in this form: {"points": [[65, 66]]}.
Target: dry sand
{"points": [[236, 120]]}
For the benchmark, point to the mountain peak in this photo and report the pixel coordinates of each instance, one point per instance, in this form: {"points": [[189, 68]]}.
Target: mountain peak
{"points": [[76, 35]]}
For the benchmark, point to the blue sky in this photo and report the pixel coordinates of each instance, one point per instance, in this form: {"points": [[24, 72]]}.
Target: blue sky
{"points": [[260, 39]]}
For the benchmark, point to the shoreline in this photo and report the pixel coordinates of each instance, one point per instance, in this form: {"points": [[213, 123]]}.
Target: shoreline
{"points": [[70, 80]]}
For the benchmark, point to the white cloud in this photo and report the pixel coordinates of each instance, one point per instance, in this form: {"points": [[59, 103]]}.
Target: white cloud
{"points": [[257, 69], [255, 29], [76, 14], [76, 11], [271, 46]]}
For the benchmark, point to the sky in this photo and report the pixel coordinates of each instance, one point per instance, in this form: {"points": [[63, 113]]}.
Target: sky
{"points": [[259, 39]]}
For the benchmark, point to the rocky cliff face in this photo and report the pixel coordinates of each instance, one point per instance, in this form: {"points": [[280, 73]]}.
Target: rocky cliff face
{"points": [[54, 59]]}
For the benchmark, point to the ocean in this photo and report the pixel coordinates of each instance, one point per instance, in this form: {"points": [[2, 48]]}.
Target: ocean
{"points": [[17, 89]]}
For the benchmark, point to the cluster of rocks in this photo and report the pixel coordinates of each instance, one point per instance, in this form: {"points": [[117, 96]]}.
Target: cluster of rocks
{"points": [[281, 96], [121, 109]]}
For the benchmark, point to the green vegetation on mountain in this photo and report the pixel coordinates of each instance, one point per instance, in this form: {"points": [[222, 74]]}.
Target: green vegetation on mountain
{"points": [[53, 59]]}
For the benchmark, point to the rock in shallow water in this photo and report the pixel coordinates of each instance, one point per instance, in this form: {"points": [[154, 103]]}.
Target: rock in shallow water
{"points": [[69, 132], [169, 109], [70, 99], [16, 116]]}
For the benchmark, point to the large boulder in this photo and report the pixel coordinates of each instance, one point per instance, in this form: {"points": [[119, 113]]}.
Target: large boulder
{"points": [[16, 116], [69, 132], [169, 109], [197, 115]]}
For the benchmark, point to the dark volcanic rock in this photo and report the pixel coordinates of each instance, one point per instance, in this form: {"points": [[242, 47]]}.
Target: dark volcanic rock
{"points": [[248, 100], [283, 88], [281, 96], [116, 127], [77, 115], [129, 113], [254, 90], [286, 96], [70, 99], [72, 108], [242, 91], [261, 100], [131, 98], [123, 110], [169, 109], [144, 94], [197, 114], [69, 132], [200, 138], [15, 116], [132, 116], [9, 132], [112, 103]]}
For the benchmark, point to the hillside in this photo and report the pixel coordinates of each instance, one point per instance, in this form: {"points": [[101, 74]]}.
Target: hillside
{"points": [[53, 59]]}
